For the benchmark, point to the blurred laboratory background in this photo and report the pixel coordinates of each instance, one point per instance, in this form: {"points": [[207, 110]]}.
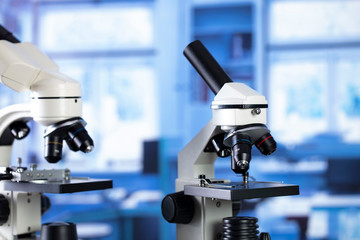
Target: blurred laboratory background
{"points": [[143, 102]]}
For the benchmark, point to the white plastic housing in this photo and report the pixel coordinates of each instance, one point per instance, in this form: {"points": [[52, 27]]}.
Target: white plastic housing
{"points": [[25, 214], [20, 64], [50, 111], [23, 66], [237, 94], [54, 84], [55, 96]]}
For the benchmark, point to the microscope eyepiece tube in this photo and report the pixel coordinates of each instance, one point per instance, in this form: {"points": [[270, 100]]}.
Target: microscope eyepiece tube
{"points": [[206, 65], [7, 35]]}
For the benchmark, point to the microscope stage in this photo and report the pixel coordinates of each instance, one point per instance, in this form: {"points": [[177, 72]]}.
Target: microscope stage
{"points": [[71, 186], [236, 191]]}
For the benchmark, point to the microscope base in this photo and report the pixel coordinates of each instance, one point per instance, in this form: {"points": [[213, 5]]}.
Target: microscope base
{"points": [[24, 200], [236, 191]]}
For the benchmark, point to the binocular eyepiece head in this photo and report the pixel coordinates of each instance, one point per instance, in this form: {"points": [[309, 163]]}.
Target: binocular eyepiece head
{"points": [[73, 132], [240, 141]]}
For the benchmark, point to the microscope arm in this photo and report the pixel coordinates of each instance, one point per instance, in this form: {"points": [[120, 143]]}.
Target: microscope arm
{"points": [[193, 160], [13, 113], [8, 116]]}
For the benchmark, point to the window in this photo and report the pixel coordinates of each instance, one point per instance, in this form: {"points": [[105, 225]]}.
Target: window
{"points": [[109, 48], [314, 21], [313, 69], [119, 106], [298, 101], [96, 27], [347, 70]]}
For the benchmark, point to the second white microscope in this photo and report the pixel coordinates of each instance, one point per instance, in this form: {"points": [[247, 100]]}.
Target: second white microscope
{"points": [[203, 206]]}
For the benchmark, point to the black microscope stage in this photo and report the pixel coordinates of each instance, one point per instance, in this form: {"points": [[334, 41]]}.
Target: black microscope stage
{"points": [[70, 186], [236, 191]]}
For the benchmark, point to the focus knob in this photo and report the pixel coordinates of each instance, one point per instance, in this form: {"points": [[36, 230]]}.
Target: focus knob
{"points": [[45, 204], [4, 209], [58, 231], [177, 208], [264, 236]]}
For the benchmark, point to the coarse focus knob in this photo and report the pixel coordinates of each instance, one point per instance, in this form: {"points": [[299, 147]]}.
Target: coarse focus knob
{"points": [[45, 204], [178, 208], [58, 231], [264, 236], [4, 209]]}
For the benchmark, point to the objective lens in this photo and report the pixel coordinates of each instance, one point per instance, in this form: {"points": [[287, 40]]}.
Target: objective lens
{"points": [[72, 145], [241, 153], [266, 144], [89, 148], [53, 148], [80, 139]]}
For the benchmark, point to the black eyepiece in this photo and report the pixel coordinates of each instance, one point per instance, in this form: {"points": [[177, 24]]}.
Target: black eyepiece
{"points": [[266, 144], [241, 153], [206, 65], [8, 36], [53, 148]]}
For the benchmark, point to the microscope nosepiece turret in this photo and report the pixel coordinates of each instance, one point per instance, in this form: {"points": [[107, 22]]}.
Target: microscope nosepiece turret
{"points": [[241, 139], [73, 132]]}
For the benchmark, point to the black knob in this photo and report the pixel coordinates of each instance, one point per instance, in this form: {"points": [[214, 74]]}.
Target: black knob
{"points": [[19, 130], [264, 236], [4, 209], [58, 231], [45, 204], [177, 208]]}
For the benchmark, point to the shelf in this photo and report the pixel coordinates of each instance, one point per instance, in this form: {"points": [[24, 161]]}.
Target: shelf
{"points": [[224, 30]]}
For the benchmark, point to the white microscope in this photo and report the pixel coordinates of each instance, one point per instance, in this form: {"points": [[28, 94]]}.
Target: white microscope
{"points": [[204, 207], [55, 103]]}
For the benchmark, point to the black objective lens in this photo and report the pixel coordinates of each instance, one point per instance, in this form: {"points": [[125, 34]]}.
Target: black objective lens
{"points": [[241, 153], [53, 148], [266, 144], [79, 139], [72, 145]]}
